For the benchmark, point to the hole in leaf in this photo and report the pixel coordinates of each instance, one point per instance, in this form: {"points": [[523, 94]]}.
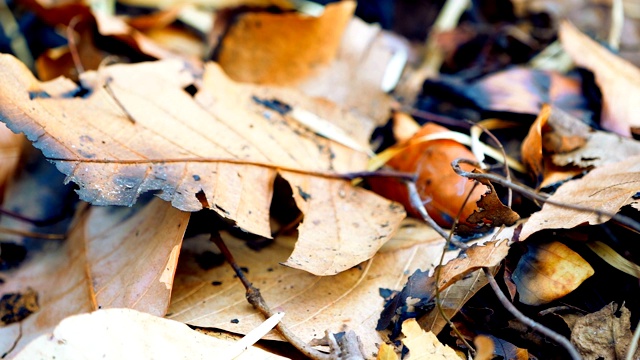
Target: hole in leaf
{"points": [[191, 90], [202, 197]]}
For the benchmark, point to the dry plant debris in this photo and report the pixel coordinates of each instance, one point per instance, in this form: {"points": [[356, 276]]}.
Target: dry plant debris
{"points": [[214, 163]]}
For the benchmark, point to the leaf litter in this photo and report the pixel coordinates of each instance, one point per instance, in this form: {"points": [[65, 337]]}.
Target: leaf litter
{"points": [[191, 136]]}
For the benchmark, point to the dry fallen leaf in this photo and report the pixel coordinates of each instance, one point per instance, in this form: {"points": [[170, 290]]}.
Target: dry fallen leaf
{"points": [[424, 345], [618, 79], [220, 150], [215, 298], [548, 272], [559, 147], [100, 265], [267, 48], [605, 334], [607, 188], [126, 333], [355, 78]]}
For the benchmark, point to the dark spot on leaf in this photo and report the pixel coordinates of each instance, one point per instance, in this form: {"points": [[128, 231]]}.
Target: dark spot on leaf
{"points": [[221, 209], [39, 95], [11, 255], [196, 177], [202, 197], [235, 321], [304, 195], [208, 260], [273, 104], [216, 283], [191, 90], [15, 307]]}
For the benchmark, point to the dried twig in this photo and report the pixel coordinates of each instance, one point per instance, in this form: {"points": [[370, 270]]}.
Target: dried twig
{"points": [[564, 342], [257, 301], [50, 221], [31, 234]]}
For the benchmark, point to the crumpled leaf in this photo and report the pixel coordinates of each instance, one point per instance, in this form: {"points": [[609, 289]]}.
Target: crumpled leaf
{"points": [[424, 345], [215, 298], [100, 265], [559, 147], [606, 188], [548, 272], [605, 334], [267, 48], [618, 79], [126, 333], [490, 212], [221, 150], [417, 297]]}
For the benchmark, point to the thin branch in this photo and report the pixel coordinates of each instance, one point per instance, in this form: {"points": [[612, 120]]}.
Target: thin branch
{"points": [[50, 221], [31, 234], [416, 202], [257, 301], [73, 46], [561, 340], [504, 155]]}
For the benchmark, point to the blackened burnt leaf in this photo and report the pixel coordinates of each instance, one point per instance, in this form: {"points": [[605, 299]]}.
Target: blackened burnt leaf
{"points": [[139, 131]]}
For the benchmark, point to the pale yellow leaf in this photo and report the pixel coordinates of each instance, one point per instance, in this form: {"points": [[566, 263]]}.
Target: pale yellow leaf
{"points": [[424, 345], [129, 334], [387, 352]]}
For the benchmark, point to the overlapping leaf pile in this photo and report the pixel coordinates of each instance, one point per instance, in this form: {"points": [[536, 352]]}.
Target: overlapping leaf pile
{"points": [[267, 134]]}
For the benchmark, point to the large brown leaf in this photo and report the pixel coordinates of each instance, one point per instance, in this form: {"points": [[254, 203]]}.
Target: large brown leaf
{"points": [[220, 150], [112, 258]]}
